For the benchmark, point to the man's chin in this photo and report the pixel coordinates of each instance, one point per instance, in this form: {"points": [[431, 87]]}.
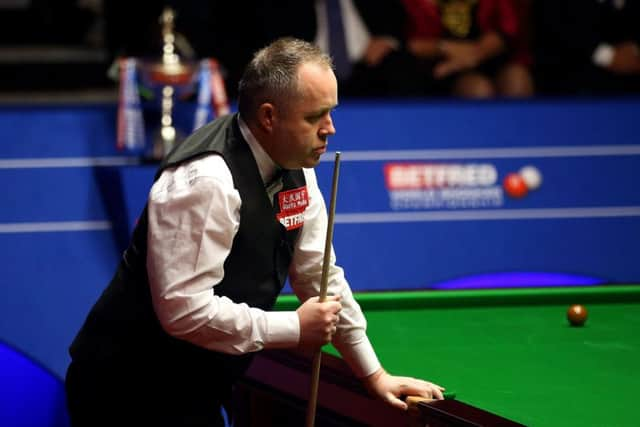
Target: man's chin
{"points": [[313, 161], [309, 162]]}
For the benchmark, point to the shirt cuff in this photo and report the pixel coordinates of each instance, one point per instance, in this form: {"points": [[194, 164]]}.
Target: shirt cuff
{"points": [[283, 329], [361, 358], [603, 55]]}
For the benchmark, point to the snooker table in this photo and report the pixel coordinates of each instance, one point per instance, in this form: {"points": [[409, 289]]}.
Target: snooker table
{"points": [[510, 353]]}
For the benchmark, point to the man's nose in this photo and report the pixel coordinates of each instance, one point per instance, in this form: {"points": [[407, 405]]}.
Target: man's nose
{"points": [[328, 128]]}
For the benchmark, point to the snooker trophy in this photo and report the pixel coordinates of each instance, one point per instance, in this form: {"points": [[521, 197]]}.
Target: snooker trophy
{"points": [[168, 73], [169, 79]]}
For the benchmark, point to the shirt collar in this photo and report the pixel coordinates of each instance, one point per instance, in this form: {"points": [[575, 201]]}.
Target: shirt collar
{"points": [[266, 166]]}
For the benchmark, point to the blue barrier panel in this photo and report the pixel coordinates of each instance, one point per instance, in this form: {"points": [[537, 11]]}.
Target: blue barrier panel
{"points": [[432, 193]]}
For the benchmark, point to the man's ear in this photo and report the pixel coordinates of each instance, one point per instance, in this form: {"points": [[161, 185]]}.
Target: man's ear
{"points": [[266, 116]]}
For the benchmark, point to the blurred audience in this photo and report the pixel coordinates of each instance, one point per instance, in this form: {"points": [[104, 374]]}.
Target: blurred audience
{"points": [[377, 62], [465, 48], [365, 39], [470, 48], [587, 47]]}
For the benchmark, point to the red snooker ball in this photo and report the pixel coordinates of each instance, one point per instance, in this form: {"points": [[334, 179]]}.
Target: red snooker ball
{"points": [[577, 315], [515, 186]]}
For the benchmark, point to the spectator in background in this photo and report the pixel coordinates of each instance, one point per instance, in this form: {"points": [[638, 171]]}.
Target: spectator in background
{"points": [[587, 46], [378, 62], [470, 48], [364, 38]]}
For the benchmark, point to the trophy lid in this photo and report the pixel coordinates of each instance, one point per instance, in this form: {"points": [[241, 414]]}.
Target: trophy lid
{"points": [[171, 69]]}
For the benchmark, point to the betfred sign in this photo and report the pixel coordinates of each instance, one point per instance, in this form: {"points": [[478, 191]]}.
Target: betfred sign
{"points": [[442, 186], [407, 176]]}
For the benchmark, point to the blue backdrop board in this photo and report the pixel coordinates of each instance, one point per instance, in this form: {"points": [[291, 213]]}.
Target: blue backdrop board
{"points": [[424, 200], [431, 195]]}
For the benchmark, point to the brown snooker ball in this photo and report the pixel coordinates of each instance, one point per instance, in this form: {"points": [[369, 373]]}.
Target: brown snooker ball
{"points": [[577, 315]]}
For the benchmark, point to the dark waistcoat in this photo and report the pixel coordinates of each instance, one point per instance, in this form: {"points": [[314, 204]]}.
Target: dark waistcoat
{"points": [[122, 324]]}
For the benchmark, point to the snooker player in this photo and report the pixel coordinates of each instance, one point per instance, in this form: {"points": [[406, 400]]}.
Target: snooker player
{"points": [[233, 210]]}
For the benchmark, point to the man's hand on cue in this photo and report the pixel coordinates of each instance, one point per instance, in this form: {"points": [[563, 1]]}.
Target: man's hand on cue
{"points": [[390, 388], [318, 321]]}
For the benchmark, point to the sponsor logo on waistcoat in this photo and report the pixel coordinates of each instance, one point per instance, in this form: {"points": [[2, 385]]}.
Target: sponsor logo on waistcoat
{"points": [[292, 205]]}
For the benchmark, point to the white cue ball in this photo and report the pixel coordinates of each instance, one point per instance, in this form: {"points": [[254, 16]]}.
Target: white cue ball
{"points": [[531, 176]]}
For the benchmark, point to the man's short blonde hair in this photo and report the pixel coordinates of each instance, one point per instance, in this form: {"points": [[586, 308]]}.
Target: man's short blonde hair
{"points": [[272, 74]]}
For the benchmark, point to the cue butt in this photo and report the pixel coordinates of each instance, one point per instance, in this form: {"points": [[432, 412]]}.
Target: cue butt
{"points": [[413, 418], [412, 401]]}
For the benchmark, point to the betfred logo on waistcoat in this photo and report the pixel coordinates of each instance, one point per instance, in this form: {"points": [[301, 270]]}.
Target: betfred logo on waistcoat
{"points": [[292, 206]]}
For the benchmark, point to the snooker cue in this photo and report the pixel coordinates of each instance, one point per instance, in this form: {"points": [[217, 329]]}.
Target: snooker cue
{"points": [[317, 358]]}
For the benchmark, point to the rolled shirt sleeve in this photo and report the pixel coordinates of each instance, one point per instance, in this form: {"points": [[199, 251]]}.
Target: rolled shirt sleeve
{"points": [[305, 273]]}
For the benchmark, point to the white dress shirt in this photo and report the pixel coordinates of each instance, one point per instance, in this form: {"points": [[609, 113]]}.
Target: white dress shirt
{"points": [[194, 214]]}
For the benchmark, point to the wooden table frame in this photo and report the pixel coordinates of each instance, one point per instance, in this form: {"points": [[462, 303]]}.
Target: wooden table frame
{"points": [[273, 392]]}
